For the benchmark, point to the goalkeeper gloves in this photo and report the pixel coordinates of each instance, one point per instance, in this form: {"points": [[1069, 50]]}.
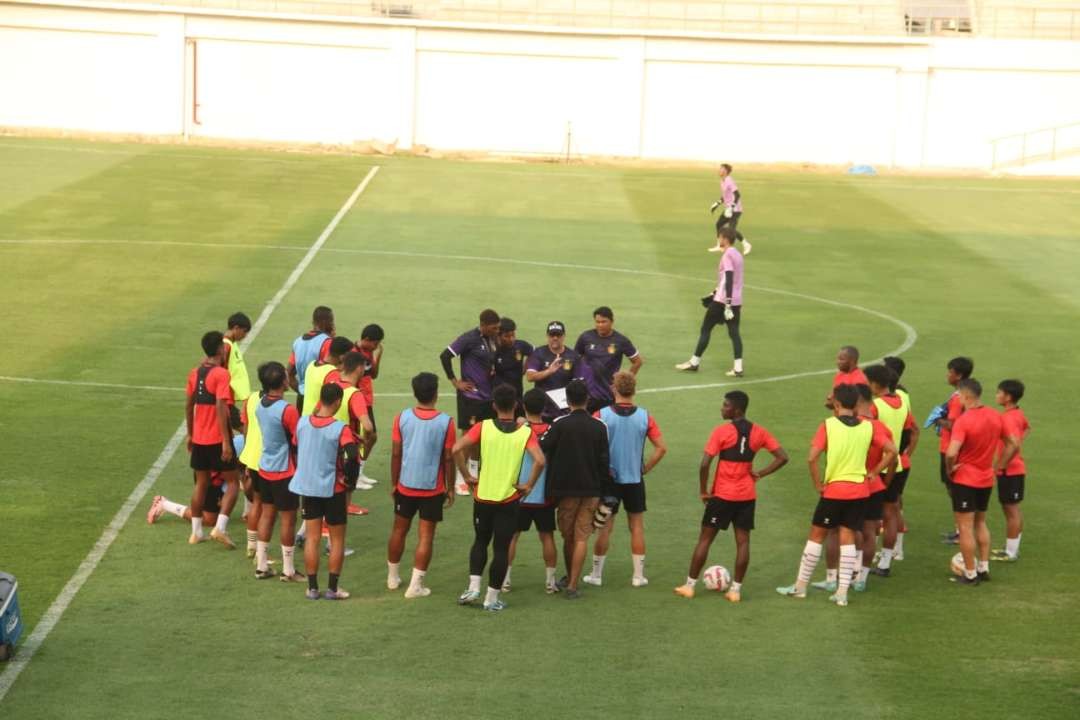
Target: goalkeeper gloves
{"points": [[712, 208], [729, 314], [728, 210]]}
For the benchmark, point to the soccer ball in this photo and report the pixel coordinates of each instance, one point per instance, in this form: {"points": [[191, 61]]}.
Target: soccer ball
{"points": [[717, 578], [957, 564]]}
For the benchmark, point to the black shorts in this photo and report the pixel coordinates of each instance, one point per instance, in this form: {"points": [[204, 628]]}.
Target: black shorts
{"points": [[720, 513], [967, 499], [212, 497], [732, 222], [832, 513], [896, 488], [208, 458], [1010, 489], [631, 496], [945, 474], [278, 494], [874, 509], [331, 509], [470, 412], [430, 508], [543, 517]]}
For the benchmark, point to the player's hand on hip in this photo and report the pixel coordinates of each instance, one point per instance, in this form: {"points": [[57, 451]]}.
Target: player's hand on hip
{"points": [[464, 386]]}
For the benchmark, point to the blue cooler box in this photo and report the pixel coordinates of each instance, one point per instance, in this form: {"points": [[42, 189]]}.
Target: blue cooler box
{"points": [[11, 625]]}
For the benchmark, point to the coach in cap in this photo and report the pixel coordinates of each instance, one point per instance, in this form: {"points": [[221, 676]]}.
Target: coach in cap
{"points": [[552, 367]]}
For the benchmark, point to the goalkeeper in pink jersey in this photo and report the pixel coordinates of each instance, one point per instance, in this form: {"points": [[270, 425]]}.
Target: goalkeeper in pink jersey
{"points": [[731, 209]]}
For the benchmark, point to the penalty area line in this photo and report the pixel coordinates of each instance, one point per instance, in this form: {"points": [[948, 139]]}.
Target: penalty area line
{"points": [[93, 558]]}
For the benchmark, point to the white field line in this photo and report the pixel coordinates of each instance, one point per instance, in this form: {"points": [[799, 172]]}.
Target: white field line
{"points": [[910, 335], [56, 610]]}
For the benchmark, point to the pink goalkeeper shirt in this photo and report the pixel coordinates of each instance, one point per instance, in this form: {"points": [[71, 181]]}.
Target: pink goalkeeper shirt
{"points": [[727, 190], [732, 260]]}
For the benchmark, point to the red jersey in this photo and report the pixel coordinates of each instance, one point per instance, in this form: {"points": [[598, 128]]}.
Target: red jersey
{"points": [[370, 366], [289, 417], [474, 434], [448, 444], [979, 432], [732, 479], [1016, 426], [954, 408], [882, 435], [348, 437], [849, 490], [852, 377], [215, 386]]}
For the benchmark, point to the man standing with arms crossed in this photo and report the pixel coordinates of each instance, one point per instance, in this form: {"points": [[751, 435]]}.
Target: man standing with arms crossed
{"points": [[724, 307]]}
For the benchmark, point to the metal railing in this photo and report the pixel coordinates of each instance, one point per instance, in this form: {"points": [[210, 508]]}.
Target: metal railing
{"points": [[897, 18], [1044, 144]]}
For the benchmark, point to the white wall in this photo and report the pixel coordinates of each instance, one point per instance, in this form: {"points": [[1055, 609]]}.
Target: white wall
{"points": [[899, 102]]}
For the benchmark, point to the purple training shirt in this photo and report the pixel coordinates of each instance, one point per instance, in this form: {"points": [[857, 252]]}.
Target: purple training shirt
{"points": [[477, 355]]}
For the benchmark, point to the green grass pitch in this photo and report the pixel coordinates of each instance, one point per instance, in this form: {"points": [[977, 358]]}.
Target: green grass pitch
{"points": [[117, 257]]}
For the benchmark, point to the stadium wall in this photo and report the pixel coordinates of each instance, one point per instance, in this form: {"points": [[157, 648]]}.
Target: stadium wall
{"points": [[894, 102]]}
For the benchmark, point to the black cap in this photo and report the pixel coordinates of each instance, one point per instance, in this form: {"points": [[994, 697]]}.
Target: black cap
{"points": [[556, 328]]}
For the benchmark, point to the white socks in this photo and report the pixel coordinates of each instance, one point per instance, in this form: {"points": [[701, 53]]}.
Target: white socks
{"points": [[848, 558], [549, 576], [738, 364], [886, 558], [736, 587], [287, 566], [196, 526], [982, 566], [252, 539], [598, 566], [360, 464], [474, 583], [695, 360], [810, 557], [864, 573], [898, 549], [691, 582], [417, 580], [830, 575], [222, 522], [1012, 545], [393, 575], [178, 510], [491, 597], [639, 565], [260, 555]]}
